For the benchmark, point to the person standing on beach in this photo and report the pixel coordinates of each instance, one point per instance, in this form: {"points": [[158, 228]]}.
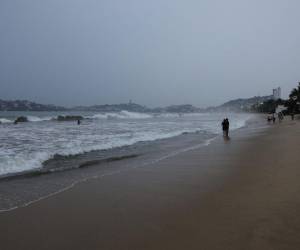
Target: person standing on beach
{"points": [[274, 118], [292, 116], [225, 127], [280, 116]]}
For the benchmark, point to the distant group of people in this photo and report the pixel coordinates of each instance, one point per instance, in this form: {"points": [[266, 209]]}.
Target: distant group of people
{"points": [[272, 117], [225, 127]]}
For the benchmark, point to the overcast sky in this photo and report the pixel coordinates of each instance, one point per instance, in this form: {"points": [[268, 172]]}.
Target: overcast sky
{"points": [[158, 52]]}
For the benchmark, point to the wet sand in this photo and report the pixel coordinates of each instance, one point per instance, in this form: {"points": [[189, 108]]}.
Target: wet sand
{"points": [[237, 194]]}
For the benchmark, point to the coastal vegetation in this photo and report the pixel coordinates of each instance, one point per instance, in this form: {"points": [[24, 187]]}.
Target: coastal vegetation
{"points": [[24, 105], [268, 106], [292, 104]]}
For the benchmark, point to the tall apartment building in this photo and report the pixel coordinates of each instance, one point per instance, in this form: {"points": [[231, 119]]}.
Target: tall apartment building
{"points": [[277, 93]]}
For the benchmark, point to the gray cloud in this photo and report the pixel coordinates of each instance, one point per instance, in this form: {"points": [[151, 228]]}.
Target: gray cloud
{"points": [[73, 52]]}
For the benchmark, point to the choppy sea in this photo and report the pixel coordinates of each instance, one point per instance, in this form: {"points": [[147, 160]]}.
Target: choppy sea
{"points": [[45, 143]]}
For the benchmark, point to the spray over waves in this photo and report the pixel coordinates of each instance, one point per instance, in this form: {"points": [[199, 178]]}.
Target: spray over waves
{"points": [[121, 115], [30, 118], [106, 115]]}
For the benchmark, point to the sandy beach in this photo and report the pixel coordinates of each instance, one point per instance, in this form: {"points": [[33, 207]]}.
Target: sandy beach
{"points": [[237, 194]]}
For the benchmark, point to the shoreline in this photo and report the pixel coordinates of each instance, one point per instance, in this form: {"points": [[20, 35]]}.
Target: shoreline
{"points": [[238, 194], [20, 190], [47, 168], [139, 155]]}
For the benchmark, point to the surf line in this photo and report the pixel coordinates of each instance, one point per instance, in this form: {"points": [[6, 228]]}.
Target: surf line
{"points": [[206, 143]]}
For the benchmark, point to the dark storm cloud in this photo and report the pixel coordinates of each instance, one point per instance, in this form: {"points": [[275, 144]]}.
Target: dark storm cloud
{"points": [[73, 52]]}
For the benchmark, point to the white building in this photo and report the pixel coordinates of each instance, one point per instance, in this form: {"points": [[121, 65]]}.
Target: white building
{"points": [[277, 93], [280, 108]]}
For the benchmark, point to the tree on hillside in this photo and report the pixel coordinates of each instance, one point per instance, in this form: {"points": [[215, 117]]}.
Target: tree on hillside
{"points": [[293, 102], [268, 106], [295, 92]]}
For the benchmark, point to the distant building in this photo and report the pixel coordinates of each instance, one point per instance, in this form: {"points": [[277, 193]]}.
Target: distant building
{"points": [[277, 93]]}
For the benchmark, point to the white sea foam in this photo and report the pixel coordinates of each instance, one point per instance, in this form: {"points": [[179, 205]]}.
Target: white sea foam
{"points": [[21, 162], [121, 115], [4, 120], [39, 119]]}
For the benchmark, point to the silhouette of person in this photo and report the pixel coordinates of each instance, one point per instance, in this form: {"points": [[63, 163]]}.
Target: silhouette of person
{"points": [[78, 122], [225, 127]]}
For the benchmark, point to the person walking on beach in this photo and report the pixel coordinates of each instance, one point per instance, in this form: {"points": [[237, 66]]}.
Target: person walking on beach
{"points": [[292, 116], [225, 127], [280, 116], [269, 118]]}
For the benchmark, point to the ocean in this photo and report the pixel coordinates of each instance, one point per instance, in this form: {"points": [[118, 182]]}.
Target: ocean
{"points": [[45, 143], [43, 157]]}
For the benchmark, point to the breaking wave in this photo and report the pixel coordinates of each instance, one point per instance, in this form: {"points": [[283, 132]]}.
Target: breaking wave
{"points": [[39, 119], [108, 116], [24, 148], [121, 115], [4, 120]]}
